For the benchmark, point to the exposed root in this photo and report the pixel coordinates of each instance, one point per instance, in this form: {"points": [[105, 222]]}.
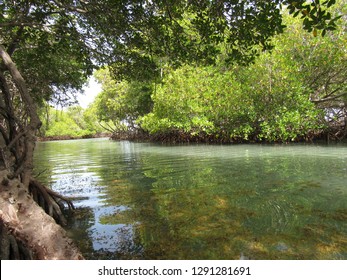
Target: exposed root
{"points": [[52, 202], [26, 230], [11, 248]]}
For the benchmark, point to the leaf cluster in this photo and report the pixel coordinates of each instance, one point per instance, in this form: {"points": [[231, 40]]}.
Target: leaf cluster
{"points": [[315, 15]]}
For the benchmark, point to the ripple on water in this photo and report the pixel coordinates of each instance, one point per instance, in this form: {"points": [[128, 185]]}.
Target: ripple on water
{"points": [[142, 200]]}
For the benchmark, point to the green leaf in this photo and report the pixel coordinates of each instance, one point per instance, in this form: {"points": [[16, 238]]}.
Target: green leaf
{"points": [[331, 2], [296, 13]]}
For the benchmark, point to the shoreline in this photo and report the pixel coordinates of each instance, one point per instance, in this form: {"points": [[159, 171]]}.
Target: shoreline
{"points": [[68, 137], [189, 139]]}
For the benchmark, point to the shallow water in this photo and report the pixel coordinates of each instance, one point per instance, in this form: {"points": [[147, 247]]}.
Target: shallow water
{"points": [[151, 201]]}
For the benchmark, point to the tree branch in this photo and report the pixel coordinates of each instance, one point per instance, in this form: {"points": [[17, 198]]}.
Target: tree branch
{"points": [[329, 98], [71, 8], [18, 24]]}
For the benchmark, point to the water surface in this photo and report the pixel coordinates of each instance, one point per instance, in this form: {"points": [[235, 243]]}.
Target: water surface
{"points": [[151, 201]]}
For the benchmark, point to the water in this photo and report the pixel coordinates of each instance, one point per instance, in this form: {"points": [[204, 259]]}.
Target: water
{"points": [[151, 201]]}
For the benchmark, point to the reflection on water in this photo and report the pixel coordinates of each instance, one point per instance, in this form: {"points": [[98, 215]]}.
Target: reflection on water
{"points": [[150, 201]]}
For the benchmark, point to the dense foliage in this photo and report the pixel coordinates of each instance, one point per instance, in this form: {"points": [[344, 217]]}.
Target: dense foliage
{"points": [[71, 122], [226, 106], [295, 92], [121, 102]]}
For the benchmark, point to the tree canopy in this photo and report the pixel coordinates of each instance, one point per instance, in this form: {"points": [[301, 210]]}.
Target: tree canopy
{"points": [[50, 38]]}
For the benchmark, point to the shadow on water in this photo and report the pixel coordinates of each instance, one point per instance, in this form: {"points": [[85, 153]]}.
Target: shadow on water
{"points": [[148, 201]]}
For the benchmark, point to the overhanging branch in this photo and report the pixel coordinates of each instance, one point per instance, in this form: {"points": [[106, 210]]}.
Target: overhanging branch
{"points": [[331, 98]]}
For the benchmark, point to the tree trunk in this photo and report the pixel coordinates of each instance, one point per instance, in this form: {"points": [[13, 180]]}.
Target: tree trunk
{"points": [[34, 120], [28, 223], [23, 223]]}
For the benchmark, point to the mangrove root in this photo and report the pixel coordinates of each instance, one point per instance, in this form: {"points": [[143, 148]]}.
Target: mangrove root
{"points": [[52, 202]]}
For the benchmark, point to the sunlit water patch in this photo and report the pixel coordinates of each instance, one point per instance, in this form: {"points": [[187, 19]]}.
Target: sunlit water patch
{"points": [[151, 201]]}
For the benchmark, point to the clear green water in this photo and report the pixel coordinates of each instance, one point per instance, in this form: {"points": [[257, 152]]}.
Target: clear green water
{"points": [[151, 201]]}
